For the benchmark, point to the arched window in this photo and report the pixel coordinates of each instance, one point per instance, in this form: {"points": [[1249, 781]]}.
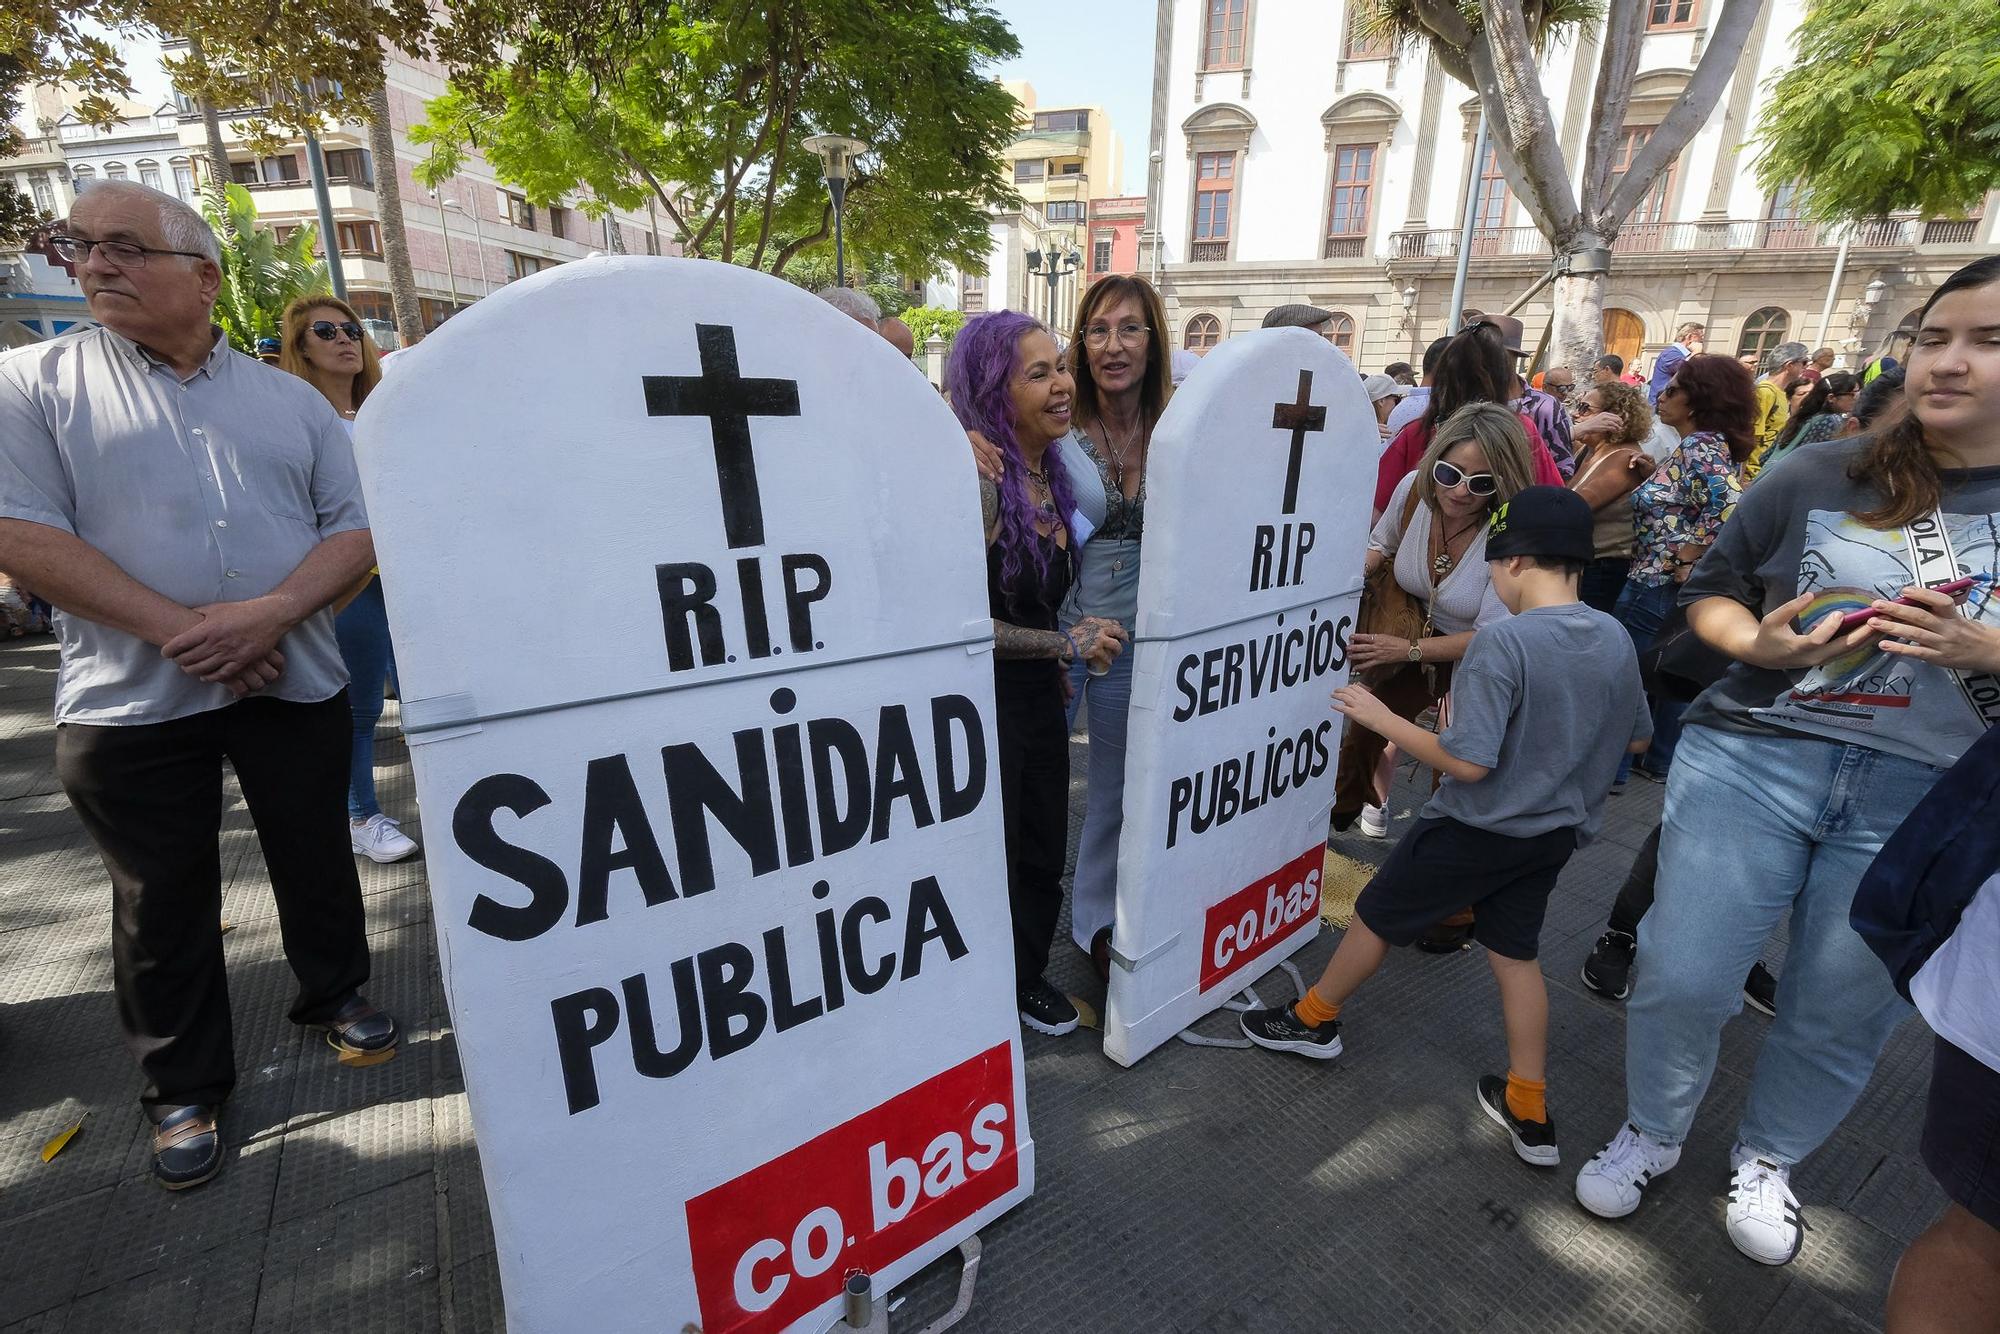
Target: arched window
{"points": [[1202, 333], [1764, 330], [83, 175], [114, 171], [1340, 332], [183, 177], [149, 174]]}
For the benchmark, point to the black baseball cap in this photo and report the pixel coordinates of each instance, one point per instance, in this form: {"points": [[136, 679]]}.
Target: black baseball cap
{"points": [[1546, 521]]}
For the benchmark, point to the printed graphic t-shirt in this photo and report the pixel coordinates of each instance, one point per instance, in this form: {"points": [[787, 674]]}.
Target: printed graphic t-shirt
{"points": [[1795, 532]]}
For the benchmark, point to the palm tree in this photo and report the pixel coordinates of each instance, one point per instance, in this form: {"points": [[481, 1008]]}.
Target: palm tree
{"points": [[1494, 46], [389, 209], [260, 274]]}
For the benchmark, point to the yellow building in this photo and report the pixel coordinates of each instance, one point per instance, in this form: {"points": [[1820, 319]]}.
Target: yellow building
{"points": [[1064, 157]]}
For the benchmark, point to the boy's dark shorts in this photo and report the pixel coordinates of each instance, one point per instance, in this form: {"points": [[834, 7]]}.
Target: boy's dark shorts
{"points": [[1962, 1131], [1442, 866]]}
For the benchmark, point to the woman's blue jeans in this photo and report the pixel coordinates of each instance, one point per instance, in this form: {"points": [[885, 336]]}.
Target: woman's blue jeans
{"points": [[1642, 609], [1094, 888], [362, 630], [1759, 829]]}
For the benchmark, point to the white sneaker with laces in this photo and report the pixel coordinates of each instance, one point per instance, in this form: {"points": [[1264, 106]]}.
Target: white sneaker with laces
{"points": [[1611, 1184], [1374, 821], [379, 840], [1763, 1215]]}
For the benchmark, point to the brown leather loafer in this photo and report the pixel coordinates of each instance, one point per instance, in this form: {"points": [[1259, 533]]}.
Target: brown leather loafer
{"points": [[187, 1147]]}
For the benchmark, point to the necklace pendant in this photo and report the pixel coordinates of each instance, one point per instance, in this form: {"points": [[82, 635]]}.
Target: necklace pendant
{"points": [[1441, 565]]}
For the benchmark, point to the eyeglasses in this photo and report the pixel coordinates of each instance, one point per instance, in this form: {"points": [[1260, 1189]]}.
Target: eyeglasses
{"points": [[1098, 336], [120, 254], [324, 330], [1478, 483]]}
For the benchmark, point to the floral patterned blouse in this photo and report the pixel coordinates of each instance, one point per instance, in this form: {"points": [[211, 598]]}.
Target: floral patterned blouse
{"points": [[1684, 503]]}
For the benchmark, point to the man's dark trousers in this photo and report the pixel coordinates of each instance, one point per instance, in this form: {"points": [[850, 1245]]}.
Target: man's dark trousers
{"points": [[151, 798]]}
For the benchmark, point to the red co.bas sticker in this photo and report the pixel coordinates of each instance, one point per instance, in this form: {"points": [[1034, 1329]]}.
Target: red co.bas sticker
{"points": [[780, 1240], [1259, 917]]}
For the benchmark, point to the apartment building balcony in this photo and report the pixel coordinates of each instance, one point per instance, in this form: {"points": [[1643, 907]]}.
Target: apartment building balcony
{"points": [[350, 193]]}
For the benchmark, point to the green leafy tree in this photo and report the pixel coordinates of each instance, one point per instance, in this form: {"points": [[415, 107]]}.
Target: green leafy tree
{"points": [[302, 63], [261, 275], [927, 322], [1887, 107], [19, 218], [701, 107], [875, 275]]}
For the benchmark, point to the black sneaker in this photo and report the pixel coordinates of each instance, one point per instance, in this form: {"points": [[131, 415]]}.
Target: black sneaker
{"points": [[1281, 1029], [1608, 970], [1760, 990], [1045, 1009], [1534, 1141]]}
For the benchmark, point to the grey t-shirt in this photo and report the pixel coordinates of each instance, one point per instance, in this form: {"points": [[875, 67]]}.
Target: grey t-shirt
{"points": [[1795, 532], [1548, 700]]}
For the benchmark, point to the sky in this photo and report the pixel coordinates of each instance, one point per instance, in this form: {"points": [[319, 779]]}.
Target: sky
{"points": [[1084, 52]]}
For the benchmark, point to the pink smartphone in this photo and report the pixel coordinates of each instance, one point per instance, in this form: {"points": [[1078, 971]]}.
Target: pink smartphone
{"points": [[1951, 589]]}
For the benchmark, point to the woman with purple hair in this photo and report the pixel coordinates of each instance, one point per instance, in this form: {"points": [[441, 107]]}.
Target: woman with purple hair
{"points": [[1008, 381]]}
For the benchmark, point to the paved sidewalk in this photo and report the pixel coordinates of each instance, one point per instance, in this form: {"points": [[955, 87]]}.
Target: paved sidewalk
{"points": [[1205, 1190]]}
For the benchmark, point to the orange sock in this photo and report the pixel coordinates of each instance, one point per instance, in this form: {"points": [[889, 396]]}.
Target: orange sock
{"points": [[1525, 1097], [1313, 1011]]}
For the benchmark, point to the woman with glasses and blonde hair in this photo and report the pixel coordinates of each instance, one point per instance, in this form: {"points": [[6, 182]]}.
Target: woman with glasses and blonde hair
{"points": [[323, 343], [1433, 535]]}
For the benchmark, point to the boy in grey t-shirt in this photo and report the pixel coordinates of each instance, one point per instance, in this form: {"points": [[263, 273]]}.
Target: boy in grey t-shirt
{"points": [[1544, 704]]}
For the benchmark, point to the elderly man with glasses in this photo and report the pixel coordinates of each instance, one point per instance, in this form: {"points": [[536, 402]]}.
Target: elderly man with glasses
{"points": [[191, 514]]}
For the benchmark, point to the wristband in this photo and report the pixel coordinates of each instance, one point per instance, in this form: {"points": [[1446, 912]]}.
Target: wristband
{"points": [[1075, 649]]}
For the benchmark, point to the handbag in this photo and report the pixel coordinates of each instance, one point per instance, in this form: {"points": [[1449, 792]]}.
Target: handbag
{"points": [[1387, 608], [1679, 664]]}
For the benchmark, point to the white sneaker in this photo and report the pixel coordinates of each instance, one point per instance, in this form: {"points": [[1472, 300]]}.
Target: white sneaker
{"points": [[379, 840], [1374, 821], [1611, 1183], [1763, 1215]]}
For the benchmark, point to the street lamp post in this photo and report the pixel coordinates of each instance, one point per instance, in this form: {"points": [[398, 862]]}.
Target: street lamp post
{"points": [[478, 242], [1054, 266], [451, 274], [836, 154]]}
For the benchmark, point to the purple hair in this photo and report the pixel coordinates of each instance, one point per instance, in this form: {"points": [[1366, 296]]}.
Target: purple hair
{"points": [[979, 378]]}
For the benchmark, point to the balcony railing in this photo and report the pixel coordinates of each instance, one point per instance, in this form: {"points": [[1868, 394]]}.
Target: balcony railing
{"points": [[305, 183], [1679, 237], [1947, 231], [1344, 247], [1208, 252]]}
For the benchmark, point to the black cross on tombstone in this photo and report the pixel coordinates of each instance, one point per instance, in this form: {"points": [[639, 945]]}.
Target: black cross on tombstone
{"points": [[1298, 417], [729, 401]]}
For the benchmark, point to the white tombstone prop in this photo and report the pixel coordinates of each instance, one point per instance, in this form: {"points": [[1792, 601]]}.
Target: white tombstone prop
{"points": [[1258, 490], [685, 575]]}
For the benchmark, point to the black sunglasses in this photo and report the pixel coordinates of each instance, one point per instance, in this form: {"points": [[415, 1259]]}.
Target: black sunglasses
{"points": [[324, 330], [1478, 483]]}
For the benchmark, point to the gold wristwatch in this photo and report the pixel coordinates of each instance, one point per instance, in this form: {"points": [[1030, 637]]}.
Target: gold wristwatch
{"points": [[1416, 650]]}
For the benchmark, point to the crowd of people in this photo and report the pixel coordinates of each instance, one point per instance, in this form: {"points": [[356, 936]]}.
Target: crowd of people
{"points": [[1773, 595], [1736, 580]]}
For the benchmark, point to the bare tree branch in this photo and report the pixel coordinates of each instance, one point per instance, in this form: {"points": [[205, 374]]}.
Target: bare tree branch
{"points": [[1509, 83], [1617, 66], [1698, 99]]}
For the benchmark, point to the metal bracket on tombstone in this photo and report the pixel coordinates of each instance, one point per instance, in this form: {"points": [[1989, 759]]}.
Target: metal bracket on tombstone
{"points": [[1246, 1000], [865, 1310]]}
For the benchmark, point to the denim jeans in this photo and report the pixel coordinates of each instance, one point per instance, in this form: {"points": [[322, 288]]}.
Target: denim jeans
{"points": [[362, 630], [1757, 829], [1642, 610], [1094, 889], [1603, 580]]}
